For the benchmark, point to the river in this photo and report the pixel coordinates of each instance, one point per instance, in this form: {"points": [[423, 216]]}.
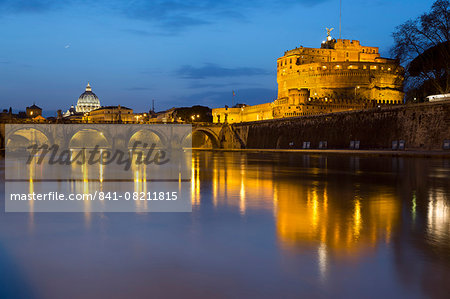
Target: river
{"points": [[275, 225]]}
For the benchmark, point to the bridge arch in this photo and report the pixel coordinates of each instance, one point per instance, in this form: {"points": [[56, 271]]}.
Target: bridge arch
{"points": [[23, 136], [88, 138], [205, 132], [147, 135]]}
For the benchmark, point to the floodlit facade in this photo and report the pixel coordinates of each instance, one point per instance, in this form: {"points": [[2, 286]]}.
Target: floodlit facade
{"points": [[341, 75], [87, 101], [110, 114]]}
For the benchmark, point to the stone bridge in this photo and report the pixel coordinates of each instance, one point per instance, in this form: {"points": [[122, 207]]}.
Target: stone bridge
{"points": [[112, 135], [421, 126]]}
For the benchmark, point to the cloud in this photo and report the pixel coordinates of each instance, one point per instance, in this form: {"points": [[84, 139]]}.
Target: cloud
{"points": [[176, 15], [170, 16], [29, 6], [201, 84], [210, 70]]}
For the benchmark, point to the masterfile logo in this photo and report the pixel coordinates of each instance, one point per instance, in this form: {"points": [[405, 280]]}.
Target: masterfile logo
{"points": [[90, 168]]}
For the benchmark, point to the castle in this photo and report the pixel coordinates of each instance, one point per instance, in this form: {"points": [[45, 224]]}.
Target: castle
{"points": [[341, 75]]}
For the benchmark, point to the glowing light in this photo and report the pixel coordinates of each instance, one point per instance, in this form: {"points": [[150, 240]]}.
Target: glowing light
{"points": [[357, 221], [101, 166], [242, 201], [85, 171], [195, 182], [215, 183], [438, 217], [322, 253], [30, 191]]}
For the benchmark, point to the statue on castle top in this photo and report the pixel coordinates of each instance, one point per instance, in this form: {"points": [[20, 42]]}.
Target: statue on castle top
{"points": [[329, 38], [329, 31]]}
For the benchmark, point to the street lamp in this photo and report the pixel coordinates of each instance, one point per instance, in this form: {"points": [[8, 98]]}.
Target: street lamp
{"points": [[357, 87]]}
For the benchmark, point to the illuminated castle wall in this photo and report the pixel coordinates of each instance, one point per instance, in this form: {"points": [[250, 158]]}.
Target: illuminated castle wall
{"points": [[341, 75]]}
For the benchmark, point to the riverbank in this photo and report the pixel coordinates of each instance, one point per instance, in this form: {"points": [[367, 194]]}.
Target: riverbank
{"points": [[421, 127], [374, 153], [404, 153]]}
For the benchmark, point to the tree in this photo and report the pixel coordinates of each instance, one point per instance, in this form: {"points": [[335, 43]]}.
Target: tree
{"points": [[423, 46]]}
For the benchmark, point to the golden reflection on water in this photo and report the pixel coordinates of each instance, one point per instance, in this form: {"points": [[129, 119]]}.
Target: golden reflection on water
{"points": [[97, 172], [86, 203], [195, 183], [343, 223], [215, 182], [438, 216], [140, 183], [86, 179], [31, 169], [344, 228], [234, 184], [242, 203], [307, 213], [357, 218]]}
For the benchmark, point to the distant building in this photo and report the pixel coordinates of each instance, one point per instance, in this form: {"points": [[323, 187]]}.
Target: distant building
{"points": [[72, 115], [341, 75], [6, 115], [195, 113], [169, 115], [87, 101], [141, 117], [110, 114], [39, 119], [21, 115], [33, 111], [32, 114], [70, 112]]}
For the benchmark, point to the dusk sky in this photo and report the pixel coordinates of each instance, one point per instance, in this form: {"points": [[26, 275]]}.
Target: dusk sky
{"points": [[180, 53]]}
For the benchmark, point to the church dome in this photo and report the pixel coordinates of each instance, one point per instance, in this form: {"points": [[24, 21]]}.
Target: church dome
{"points": [[87, 101]]}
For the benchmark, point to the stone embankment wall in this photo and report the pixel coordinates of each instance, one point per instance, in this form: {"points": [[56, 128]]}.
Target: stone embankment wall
{"points": [[421, 126]]}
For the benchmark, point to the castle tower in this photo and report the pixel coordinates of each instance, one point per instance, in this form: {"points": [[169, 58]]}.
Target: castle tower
{"points": [[341, 69]]}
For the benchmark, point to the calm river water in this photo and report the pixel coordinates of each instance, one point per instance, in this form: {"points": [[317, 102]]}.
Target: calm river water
{"points": [[273, 225]]}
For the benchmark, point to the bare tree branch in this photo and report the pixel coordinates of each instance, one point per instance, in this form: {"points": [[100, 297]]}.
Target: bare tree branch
{"points": [[412, 43]]}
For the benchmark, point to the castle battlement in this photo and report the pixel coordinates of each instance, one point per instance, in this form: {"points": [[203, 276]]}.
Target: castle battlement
{"points": [[337, 67], [341, 75]]}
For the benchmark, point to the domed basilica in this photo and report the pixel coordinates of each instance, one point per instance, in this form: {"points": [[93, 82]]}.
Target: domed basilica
{"points": [[87, 101]]}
